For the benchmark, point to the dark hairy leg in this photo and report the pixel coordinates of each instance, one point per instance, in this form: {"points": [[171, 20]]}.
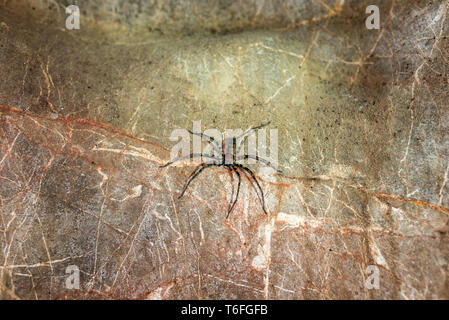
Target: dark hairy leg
{"points": [[248, 132], [250, 180], [257, 158], [253, 177], [231, 174], [238, 191], [215, 144], [193, 175], [190, 156]]}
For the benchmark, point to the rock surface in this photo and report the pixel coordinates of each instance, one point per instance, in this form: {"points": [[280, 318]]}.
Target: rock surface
{"points": [[363, 121]]}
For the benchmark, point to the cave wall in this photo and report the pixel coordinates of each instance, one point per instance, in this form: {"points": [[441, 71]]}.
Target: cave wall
{"points": [[363, 125]]}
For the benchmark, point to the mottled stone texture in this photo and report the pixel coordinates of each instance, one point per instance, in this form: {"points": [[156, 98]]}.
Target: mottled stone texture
{"points": [[85, 120]]}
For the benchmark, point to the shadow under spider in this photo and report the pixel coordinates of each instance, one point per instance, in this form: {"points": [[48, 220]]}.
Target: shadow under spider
{"points": [[233, 166]]}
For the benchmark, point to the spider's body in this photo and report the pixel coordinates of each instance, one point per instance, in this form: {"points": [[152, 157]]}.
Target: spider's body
{"points": [[228, 158]]}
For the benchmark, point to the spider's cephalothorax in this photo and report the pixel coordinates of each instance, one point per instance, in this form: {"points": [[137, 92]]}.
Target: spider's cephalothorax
{"points": [[229, 159]]}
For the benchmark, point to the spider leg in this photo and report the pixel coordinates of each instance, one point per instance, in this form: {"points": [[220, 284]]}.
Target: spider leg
{"points": [[268, 163], [248, 132], [193, 175], [231, 174], [238, 191], [190, 156], [244, 134], [215, 144], [253, 176], [252, 183]]}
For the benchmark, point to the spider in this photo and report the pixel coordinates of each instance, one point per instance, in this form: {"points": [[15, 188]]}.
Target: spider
{"points": [[228, 160]]}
